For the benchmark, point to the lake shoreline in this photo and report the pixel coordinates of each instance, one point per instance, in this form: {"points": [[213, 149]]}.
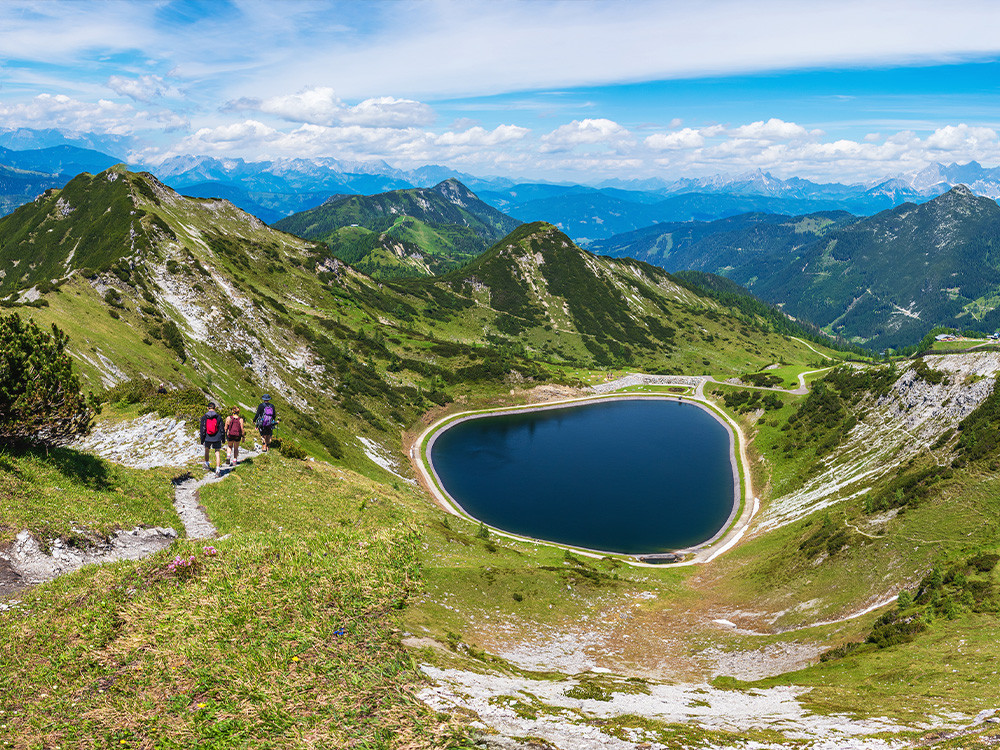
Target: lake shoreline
{"points": [[727, 534]]}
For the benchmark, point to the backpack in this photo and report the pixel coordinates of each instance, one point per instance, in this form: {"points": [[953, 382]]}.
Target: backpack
{"points": [[211, 425], [267, 416], [235, 427]]}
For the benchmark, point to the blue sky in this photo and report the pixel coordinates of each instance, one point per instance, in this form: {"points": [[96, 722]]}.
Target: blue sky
{"points": [[574, 90]]}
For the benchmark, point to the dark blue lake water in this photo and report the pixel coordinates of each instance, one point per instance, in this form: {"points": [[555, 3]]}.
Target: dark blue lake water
{"points": [[627, 476]]}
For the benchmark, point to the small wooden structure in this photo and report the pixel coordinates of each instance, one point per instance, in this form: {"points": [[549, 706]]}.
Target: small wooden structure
{"points": [[661, 558]]}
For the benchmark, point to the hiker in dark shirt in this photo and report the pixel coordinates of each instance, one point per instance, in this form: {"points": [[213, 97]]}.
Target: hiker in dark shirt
{"points": [[265, 419], [213, 432]]}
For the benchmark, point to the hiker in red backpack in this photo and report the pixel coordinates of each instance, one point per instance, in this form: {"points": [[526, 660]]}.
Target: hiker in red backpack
{"points": [[234, 435], [265, 419], [213, 430]]}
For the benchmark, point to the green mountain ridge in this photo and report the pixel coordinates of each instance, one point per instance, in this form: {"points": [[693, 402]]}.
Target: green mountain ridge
{"points": [[885, 280], [404, 233], [217, 299]]}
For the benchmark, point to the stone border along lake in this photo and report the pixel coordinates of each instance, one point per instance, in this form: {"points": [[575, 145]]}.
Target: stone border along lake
{"points": [[625, 475]]}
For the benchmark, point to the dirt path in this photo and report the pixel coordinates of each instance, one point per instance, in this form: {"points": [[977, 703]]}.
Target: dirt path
{"points": [[853, 616], [803, 341], [802, 390], [192, 515]]}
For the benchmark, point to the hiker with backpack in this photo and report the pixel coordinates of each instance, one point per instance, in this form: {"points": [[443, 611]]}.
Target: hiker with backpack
{"points": [[234, 435], [265, 420], [213, 431]]}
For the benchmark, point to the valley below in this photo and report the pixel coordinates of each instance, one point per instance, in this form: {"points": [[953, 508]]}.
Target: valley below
{"points": [[325, 594]]}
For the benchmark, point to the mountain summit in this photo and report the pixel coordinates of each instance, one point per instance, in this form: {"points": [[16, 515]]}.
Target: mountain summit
{"points": [[404, 233]]}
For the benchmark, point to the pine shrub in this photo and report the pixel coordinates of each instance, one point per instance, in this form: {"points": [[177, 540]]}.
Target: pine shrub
{"points": [[40, 398]]}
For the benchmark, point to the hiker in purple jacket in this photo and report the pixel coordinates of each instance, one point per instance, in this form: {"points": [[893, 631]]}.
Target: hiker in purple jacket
{"points": [[213, 432], [265, 419]]}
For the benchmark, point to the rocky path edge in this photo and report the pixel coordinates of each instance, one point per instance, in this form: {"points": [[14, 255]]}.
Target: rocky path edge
{"points": [[27, 563]]}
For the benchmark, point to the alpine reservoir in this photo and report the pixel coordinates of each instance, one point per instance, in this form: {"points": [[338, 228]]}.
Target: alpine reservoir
{"points": [[628, 476]]}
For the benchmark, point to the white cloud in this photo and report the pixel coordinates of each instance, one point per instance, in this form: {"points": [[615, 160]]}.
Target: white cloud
{"points": [[406, 147], [843, 159], [773, 130], [478, 136], [320, 106], [171, 121], [962, 138], [385, 111], [556, 45], [256, 48], [601, 131], [61, 111], [585, 131], [680, 139], [72, 115], [142, 89], [227, 138], [585, 150]]}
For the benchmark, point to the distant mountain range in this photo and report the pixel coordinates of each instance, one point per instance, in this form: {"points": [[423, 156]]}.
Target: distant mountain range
{"points": [[218, 298], [590, 215], [274, 189], [885, 279], [25, 174], [23, 139], [404, 233]]}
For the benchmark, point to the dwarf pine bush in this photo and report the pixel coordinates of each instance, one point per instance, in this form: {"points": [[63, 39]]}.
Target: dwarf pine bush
{"points": [[40, 398]]}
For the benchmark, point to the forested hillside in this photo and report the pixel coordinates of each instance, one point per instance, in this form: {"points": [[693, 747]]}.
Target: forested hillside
{"points": [[884, 281]]}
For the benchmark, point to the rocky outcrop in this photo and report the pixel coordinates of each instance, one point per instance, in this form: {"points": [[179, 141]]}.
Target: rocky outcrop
{"points": [[26, 562], [892, 429], [634, 379], [143, 443]]}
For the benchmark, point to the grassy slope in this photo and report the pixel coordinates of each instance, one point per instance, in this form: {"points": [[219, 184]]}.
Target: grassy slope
{"points": [[272, 595], [771, 573], [66, 494], [285, 638]]}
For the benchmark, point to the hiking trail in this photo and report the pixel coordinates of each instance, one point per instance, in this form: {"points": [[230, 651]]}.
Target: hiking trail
{"points": [[192, 515], [27, 563]]}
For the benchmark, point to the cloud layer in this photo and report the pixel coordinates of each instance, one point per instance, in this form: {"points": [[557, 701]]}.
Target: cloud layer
{"points": [[393, 81], [589, 150]]}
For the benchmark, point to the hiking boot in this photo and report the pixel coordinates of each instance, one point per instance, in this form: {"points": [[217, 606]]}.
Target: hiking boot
{"points": [[207, 467], [218, 473]]}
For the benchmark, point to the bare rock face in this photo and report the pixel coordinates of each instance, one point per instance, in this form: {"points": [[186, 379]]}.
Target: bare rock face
{"points": [[929, 409], [891, 430], [143, 443]]}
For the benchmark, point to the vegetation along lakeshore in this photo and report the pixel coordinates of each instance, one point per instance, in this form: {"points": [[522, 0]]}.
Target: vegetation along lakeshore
{"points": [[499, 376]]}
